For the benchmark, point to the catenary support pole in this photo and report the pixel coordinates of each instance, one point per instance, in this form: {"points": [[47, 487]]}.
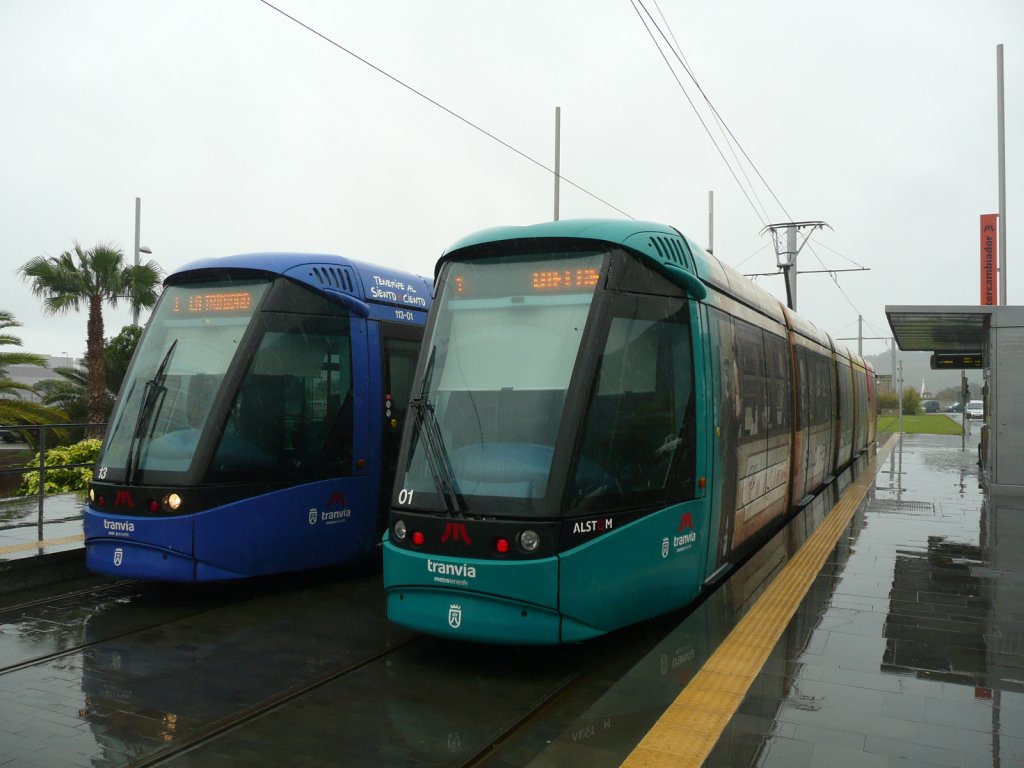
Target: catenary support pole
{"points": [[1001, 119], [558, 154]]}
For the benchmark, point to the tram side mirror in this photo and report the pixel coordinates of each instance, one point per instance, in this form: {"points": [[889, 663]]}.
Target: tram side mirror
{"points": [[354, 305], [688, 281]]}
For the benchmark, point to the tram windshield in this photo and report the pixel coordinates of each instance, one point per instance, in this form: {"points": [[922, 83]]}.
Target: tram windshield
{"points": [[262, 396], [497, 371]]}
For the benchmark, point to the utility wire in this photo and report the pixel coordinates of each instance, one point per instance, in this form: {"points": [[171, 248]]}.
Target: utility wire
{"points": [[686, 67], [677, 52], [837, 253], [441, 106], [696, 111]]}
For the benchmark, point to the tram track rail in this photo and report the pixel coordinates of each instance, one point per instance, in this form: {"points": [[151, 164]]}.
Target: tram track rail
{"points": [[256, 711]]}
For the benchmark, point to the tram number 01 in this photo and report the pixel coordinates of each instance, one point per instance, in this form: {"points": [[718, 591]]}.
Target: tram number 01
{"points": [[405, 496]]}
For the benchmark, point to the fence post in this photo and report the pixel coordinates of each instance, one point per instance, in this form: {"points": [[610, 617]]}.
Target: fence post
{"points": [[42, 476]]}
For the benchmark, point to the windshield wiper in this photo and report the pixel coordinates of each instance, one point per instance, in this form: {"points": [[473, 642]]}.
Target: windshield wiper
{"points": [[154, 387], [437, 458], [436, 454]]}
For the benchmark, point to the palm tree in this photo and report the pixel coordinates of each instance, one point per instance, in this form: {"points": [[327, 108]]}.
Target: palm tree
{"points": [[92, 277], [14, 409], [70, 392]]}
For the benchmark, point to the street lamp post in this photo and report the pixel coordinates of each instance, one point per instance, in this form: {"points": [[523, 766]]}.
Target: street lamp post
{"points": [[138, 249]]}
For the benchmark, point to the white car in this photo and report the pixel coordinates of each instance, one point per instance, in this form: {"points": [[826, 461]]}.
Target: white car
{"points": [[975, 409]]}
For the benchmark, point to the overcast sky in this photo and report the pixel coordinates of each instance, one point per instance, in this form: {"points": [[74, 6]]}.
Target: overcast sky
{"points": [[242, 131]]}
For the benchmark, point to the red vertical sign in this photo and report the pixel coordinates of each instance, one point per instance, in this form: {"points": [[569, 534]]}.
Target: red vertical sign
{"points": [[989, 252]]}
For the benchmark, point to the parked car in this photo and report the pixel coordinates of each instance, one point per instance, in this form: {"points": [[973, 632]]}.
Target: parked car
{"points": [[9, 436], [930, 406], [954, 408], [975, 409]]}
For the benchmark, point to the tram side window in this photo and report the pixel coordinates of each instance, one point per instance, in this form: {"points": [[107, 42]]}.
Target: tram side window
{"points": [[779, 389], [845, 379], [821, 383], [753, 393], [293, 415], [639, 429]]}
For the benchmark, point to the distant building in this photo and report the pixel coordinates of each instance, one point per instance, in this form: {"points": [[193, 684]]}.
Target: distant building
{"points": [[30, 375]]}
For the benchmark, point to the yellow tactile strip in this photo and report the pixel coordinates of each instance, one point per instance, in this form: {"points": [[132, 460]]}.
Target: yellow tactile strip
{"points": [[11, 548], [688, 730]]}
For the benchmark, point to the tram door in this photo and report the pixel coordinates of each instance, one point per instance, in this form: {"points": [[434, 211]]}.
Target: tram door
{"points": [[400, 347]]}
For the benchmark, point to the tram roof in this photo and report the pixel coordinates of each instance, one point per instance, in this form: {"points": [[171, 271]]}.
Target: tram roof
{"points": [[280, 262]]}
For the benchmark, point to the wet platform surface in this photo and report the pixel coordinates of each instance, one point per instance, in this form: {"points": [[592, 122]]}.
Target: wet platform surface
{"points": [[906, 651], [26, 532]]}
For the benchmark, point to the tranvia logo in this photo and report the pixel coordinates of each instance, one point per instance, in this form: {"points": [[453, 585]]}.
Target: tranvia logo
{"points": [[119, 525], [461, 570], [685, 522], [333, 516], [455, 616], [456, 532], [330, 516], [664, 547], [118, 556]]}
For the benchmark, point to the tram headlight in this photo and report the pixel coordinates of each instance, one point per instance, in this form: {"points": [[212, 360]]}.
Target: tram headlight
{"points": [[92, 494], [529, 540], [400, 531], [172, 500]]}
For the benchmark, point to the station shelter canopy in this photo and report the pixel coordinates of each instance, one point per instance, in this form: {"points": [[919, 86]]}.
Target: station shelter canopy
{"points": [[940, 329]]}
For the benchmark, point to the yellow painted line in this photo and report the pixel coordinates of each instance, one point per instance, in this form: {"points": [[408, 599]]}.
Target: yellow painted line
{"points": [[10, 548], [688, 730]]}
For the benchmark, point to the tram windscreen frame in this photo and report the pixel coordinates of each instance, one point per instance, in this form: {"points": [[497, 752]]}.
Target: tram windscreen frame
{"points": [[497, 368], [196, 330], [228, 385]]}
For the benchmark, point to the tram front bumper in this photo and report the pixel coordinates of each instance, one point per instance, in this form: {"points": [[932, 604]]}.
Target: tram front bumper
{"points": [[472, 616]]}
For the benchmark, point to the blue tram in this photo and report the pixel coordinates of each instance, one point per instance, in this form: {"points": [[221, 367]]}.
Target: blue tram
{"points": [[258, 426], [605, 419]]}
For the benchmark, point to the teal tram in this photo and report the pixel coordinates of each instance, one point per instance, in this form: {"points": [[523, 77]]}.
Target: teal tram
{"points": [[604, 421]]}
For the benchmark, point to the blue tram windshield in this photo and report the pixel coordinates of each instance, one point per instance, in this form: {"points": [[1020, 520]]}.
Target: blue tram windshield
{"points": [[292, 416], [498, 363], [190, 341]]}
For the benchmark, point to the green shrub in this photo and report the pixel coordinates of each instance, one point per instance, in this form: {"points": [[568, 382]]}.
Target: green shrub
{"points": [[888, 401], [62, 480], [911, 402]]}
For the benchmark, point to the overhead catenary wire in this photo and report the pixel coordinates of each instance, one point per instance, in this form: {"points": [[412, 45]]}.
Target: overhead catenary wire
{"points": [[677, 52], [700, 118], [441, 106], [723, 129]]}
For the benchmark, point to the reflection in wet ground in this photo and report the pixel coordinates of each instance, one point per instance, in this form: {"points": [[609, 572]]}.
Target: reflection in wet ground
{"points": [[913, 655], [21, 525], [905, 652]]}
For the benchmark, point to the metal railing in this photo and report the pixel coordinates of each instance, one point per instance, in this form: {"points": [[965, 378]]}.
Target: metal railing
{"points": [[42, 430]]}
